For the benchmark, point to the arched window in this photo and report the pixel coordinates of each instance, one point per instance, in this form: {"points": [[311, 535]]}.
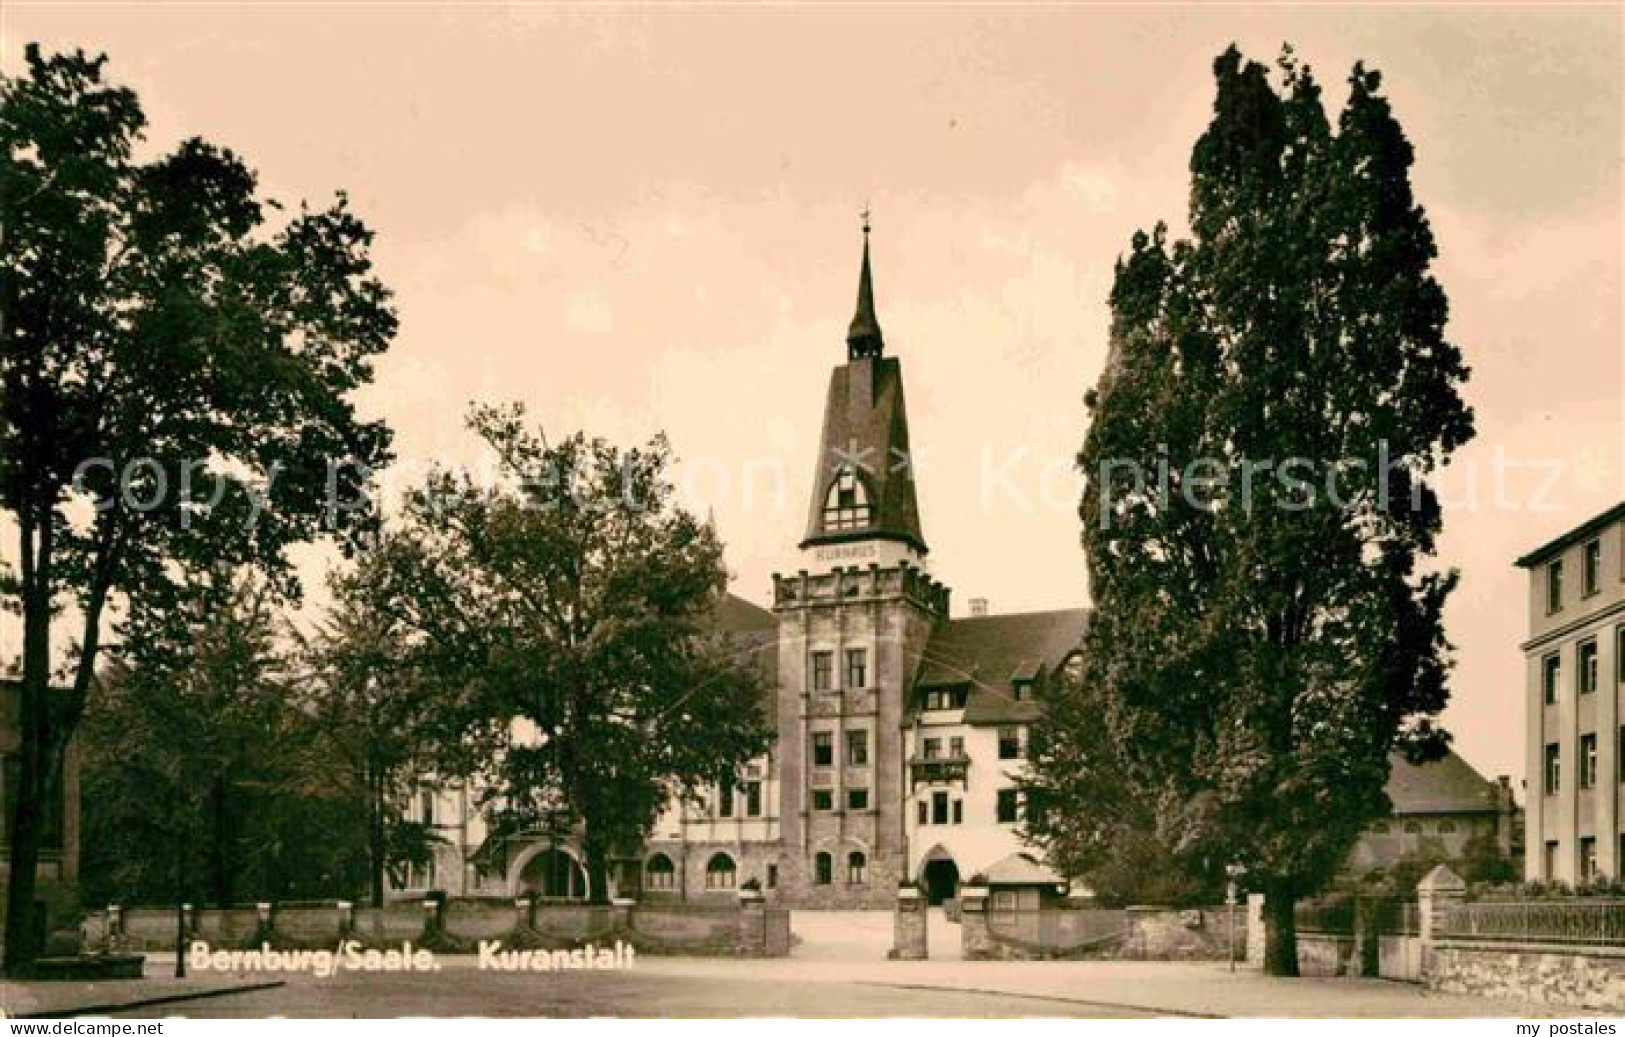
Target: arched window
{"points": [[1447, 827], [1413, 828], [823, 869], [720, 872], [660, 873], [855, 868], [846, 506], [1380, 828]]}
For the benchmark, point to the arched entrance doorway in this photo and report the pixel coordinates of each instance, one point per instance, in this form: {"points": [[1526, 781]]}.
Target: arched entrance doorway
{"points": [[554, 873], [940, 880]]}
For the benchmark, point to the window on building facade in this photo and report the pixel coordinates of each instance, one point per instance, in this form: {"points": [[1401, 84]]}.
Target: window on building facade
{"points": [[426, 806], [846, 506], [959, 811], [1021, 691], [1549, 862], [956, 748], [1585, 667], [1009, 743], [1553, 769], [823, 799], [933, 748], [660, 873], [856, 869], [857, 799], [720, 872], [1006, 806], [1588, 859], [772, 876], [1590, 567], [753, 799], [939, 808], [1379, 828], [823, 670], [823, 869], [924, 813], [857, 668], [1588, 761], [945, 698], [857, 748], [823, 749], [1413, 828], [1551, 675], [1447, 827], [725, 800], [1554, 585]]}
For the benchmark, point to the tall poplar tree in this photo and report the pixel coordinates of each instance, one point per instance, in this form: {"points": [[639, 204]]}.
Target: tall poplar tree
{"points": [[1258, 519]]}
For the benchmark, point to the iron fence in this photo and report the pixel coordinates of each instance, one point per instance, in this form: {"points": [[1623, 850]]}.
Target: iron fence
{"points": [[1587, 921]]}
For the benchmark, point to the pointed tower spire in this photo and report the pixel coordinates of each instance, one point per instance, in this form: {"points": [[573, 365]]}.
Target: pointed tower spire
{"points": [[863, 336]]}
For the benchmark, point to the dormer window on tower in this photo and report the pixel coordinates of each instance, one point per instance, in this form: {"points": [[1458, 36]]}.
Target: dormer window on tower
{"points": [[846, 506]]}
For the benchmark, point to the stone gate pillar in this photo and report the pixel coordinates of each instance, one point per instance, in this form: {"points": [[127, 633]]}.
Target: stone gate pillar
{"points": [[1439, 890], [908, 926], [1255, 931]]}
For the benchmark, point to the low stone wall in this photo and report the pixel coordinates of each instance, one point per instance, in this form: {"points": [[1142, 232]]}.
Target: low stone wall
{"points": [[1189, 934], [1326, 954], [1571, 977], [742, 929]]}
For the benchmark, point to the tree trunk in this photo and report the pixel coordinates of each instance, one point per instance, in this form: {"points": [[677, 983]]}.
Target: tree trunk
{"points": [[597, 866], [375, 836], [27, 803], [220, 862], [1280, 933]]}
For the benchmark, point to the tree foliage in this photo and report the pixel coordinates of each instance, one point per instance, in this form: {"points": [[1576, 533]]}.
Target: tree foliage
{"points": [[176, 372], [566, 622], [1258, 516]]}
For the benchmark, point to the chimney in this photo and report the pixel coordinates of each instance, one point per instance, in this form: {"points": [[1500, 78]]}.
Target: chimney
{"points": [[978, 606]]}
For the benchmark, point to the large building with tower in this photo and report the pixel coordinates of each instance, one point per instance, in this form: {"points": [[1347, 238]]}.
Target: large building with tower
{"points": [[901, 729]]}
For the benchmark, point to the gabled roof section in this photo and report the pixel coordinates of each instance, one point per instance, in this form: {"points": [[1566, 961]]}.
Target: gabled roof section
{"points": [[989, 653], [1447, 786]]}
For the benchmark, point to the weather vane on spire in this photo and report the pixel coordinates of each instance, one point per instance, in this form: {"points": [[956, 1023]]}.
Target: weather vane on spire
{"points": [[865, 215]]}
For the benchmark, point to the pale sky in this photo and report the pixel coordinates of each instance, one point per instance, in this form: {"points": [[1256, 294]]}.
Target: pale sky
{"points": [[642, 219]]}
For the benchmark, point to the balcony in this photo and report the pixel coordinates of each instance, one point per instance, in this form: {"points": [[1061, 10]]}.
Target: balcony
{"points": [[938, 770]]}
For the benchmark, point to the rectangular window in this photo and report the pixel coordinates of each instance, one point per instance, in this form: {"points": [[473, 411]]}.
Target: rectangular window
{"points": [[725, 800], [1588, 860], [857, 668], [945, 698], [823, 799], [933, 748], [1585, 667], [823, 746], [959, 811], [857, 799], [939, 808], [823, 670], [426, 806], [1588, 761], [857, 748], [1007, 806], [753, 799], [856, 869], [1551, 676], [823, 869], [1549, 865], [924, 813], [1590, 567], [1009, 743], [1021, 690], [772, 876], [956, 747], [1554, 769], [1554, 586]]}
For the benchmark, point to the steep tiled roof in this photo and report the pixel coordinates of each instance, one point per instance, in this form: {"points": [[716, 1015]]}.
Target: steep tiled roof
{"points": [[1447, 786], [754, 633], [987, 653]]}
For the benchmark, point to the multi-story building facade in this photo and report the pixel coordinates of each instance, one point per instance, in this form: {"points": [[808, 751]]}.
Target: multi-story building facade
{"points": [[901, 731], [1574, 678]]}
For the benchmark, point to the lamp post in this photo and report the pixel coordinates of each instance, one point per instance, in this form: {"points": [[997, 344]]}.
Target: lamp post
{"points": [[1233, 872]]}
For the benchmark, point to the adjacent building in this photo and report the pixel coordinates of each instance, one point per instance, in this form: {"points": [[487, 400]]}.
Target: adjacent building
{"points": [[1439, 809], [1574, 662]]}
